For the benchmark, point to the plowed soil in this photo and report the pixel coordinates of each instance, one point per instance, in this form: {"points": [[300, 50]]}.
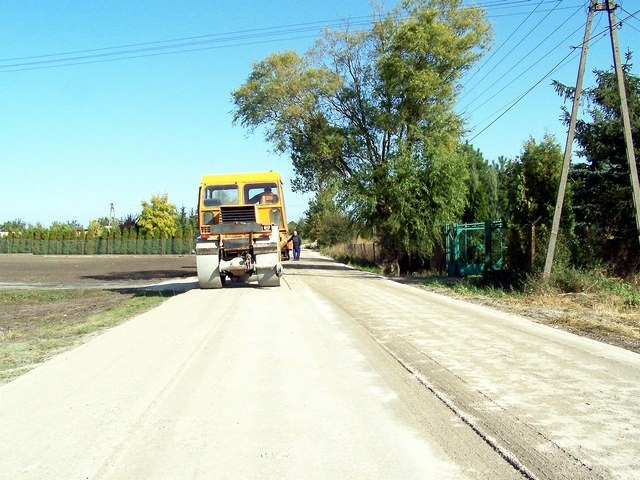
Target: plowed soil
{"points": [[77, 271]]}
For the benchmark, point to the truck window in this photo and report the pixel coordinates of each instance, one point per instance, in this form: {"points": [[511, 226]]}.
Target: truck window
{"points": [[220, 195], [263, 193]]}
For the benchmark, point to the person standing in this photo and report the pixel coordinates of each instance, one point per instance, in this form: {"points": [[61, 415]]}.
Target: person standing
{"points": [[297, 243]]}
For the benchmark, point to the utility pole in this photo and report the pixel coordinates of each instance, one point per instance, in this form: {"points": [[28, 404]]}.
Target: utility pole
{"points": [[567, 146], [112, 215], [624, 109]]}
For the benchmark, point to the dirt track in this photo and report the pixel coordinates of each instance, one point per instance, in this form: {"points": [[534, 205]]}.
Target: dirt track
{"points": [[91, 270]]}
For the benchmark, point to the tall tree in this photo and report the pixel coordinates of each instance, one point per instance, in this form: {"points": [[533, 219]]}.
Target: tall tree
{"points": [[603, 201], [13, 226], [326, 221], [159, 218], [482, 184], [530, 182], [373, 110]]}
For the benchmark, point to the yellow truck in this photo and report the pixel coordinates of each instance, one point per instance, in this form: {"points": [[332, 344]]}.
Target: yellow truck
{"points": [[242, 229]]}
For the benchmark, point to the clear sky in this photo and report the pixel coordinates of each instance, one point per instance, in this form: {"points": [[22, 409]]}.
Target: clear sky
{"points": [[82, 131]]}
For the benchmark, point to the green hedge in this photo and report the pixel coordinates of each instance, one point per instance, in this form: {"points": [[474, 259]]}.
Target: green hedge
{"points": [[98, 246]]}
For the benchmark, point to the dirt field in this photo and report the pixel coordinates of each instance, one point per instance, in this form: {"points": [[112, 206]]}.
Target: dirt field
{"points": [[77, 271]]}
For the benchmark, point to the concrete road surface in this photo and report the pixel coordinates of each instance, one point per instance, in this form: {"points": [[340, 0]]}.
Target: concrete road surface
{"points": [[336, 374]]}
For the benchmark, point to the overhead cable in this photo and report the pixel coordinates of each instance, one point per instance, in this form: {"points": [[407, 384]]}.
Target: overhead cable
{"points": [[174, 46], [503, 111], [488, 59], [513, 66], [508, 80]]}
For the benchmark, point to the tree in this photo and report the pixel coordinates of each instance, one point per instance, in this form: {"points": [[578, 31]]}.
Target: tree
{"points": [[603, 205], [530, 184], [373, 111], [159, 218], [189, 219], [13, 226], [482, 187], [326, 220]]}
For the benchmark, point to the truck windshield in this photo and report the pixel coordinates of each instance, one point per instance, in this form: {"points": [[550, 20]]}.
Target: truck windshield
{"points": [[220, 195], [261, 193]]}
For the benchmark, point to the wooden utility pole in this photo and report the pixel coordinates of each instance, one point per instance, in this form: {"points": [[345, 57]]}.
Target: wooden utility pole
{"points": [[624, 109], [569, 143]]}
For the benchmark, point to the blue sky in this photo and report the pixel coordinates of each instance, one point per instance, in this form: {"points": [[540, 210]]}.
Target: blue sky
{"points": [[74, 139]]}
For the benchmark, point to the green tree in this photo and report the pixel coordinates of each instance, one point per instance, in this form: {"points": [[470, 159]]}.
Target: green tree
{"points": [[13, 226], [603, 202], [158, 218], [482, 187], [374, 111], [187, 219], [531, 183], [325, 220]]}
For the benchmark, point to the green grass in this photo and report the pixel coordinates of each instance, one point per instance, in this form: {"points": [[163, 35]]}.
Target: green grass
{"points": [[40, 296]]}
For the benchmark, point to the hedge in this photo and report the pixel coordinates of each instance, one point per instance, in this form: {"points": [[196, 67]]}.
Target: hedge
{"points": [[98, 246]]}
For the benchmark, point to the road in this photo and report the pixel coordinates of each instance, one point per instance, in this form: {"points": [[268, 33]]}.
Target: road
{"points": [[336, 374]]}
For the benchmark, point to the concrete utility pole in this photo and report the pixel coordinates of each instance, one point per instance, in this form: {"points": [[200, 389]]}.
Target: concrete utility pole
{"points": [[624, 109], [567, 146]]}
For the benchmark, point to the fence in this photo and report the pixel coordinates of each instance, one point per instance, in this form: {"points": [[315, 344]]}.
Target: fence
{"points": [[365, 250], [99, 246]]}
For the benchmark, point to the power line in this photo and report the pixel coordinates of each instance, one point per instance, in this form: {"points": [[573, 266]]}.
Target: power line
{"points": [[522, 96], [488, 59], [490, 68], [128, 55], [525, 71], [523, 58], [516, 14], [512, 104], [503, 4], [504, 110], [177, 45], [631, 15]]}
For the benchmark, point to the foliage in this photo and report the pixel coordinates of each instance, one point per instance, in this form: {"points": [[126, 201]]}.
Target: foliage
{"points": [[373, 111], [530, 185], [42, 241], [187, 220], [326, 221], [482, 187], [604, 210], [159, 218], [129, 222], [619, 293], [103, 237], [13, 226]]}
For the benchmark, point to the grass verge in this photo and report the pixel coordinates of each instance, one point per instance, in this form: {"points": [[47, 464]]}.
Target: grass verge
{"points": [[37, 324]]}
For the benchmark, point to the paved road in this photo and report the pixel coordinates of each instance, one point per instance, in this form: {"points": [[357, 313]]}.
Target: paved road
{"points": [[336, 374]]}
